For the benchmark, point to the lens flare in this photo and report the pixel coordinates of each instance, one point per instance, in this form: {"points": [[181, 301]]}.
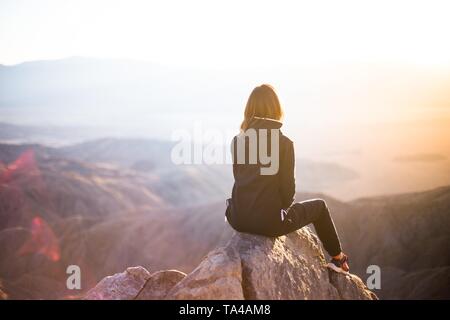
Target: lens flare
{"points": [[42, 241]]}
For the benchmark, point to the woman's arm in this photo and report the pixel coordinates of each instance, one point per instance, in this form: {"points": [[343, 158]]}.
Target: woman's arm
{"points": [[287, 175]]}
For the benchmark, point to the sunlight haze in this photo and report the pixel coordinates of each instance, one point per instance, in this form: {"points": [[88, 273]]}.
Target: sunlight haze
{"points": [[228, 33]]}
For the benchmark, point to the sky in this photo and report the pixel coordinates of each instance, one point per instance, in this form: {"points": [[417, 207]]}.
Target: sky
{"points": [[361, 82], [228, 33]]}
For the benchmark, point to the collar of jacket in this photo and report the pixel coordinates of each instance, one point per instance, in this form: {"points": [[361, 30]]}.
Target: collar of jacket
{"points": [[264, 123]]}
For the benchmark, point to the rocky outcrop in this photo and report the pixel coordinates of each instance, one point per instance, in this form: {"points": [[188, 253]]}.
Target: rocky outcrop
{"points": [[135, 283], [121, 286], [248, 267], [159, 284], [219, 276]]}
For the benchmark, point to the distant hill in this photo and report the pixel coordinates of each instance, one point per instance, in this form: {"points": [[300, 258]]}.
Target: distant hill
{"points": [[48, 135], [407, 236], [79, 82], [150, 155], [102, 92], [212, 182]]}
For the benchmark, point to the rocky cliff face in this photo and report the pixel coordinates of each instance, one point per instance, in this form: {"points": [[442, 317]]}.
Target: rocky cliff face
{"points": [[248, 267]]}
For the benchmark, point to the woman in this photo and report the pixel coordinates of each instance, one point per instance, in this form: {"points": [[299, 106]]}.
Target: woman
{"points": [[264, 203]]}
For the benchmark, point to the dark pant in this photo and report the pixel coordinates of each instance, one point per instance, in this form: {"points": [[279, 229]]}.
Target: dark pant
{"points": [[314, 211]]}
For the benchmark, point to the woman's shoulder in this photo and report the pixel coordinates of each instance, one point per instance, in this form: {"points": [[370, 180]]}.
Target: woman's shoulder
{"points": [[286, 139]]}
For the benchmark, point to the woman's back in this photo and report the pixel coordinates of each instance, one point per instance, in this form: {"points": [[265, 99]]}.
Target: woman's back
{"points": [[259, 194]]}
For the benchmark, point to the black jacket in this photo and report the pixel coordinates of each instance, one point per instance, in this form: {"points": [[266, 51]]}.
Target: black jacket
{"points": [[257, 200]]}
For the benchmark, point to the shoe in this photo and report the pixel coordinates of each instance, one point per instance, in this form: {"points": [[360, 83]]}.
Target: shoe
{"points": [[340, 266]]}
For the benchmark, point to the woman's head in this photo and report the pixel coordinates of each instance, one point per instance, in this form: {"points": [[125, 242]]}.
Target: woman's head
{"points": [[263, 102]]}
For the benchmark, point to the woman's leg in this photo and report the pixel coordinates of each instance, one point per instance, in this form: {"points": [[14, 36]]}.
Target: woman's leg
{"points": [[316, 212]]}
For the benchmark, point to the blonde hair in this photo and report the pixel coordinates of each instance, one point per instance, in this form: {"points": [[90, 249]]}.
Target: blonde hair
{"points": [[263, 103]]}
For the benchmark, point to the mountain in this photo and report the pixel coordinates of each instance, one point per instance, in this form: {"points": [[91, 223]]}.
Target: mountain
{"points": [[407, 236], [65, 206], [113, 93], [144, 163], [209, 182], [36, 181], [56, 211], [249, 267], [213, 181], [79, 82], [49, 135], [179, 184]]}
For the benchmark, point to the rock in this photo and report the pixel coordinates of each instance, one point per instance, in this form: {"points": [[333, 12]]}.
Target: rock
{"points": [[121, 286], [251, 267], [3, 295], [159, 284], [292, 268], [350, 287], [219, 276]]}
